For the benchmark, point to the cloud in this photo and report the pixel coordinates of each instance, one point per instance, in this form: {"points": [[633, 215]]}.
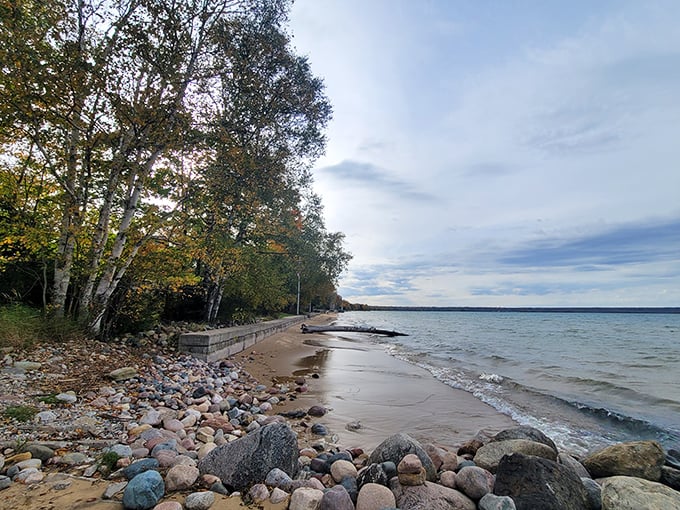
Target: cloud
{"points": [[373, 178], [636, 243]]}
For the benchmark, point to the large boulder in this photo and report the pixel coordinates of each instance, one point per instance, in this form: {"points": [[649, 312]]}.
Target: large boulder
{"points": [[534, 482], [629, 493], [373, 495], [396, 447], [430, 496], [489, 455], [524, 432], [641, 459], [249, 459]]}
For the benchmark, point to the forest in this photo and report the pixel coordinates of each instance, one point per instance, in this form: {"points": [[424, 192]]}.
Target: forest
{"points": [[155, 164]]}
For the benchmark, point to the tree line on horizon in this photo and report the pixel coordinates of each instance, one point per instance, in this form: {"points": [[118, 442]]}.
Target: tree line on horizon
{"points": [[155, 163]]}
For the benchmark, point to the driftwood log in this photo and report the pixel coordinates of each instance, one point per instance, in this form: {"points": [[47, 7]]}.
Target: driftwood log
{"points": [[353, 329]]}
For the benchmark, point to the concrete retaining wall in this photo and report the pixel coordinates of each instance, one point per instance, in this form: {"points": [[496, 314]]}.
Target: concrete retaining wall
{"points": [[221, 343]]}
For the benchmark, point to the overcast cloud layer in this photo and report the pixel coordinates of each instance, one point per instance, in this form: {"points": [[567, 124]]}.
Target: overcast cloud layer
{"points": [[501, 153]]}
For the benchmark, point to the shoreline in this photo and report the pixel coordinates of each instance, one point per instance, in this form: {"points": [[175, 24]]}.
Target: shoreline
{"points": [[357, 381]]}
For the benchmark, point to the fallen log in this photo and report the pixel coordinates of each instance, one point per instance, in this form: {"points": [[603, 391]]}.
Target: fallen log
{"points": [[352, 329]]}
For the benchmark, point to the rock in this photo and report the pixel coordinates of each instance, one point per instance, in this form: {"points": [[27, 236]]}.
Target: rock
{"points": [[317, 411], [373, 496], [374, 474], [409, 464], [567, 460], [180, 477], [73, 458], [474, 482], [278, 496], [449, 462], [593, 493], [524, 432], [259, 493], [396, 447], [489, 455], [29, 476], [350, 485], [144, 491], [5, 482], [629, 493], [199, 500], [670, 477], [341, 469], [436, 455], [412, 479], [641, 459], [448, 479], [430, 496], [249, 459], [122, 374], [305, 498], [39, 452], [470, 447], [140, 466], [113, 489], [168, 505], [67, 398], [535, 482], [30, 463], [278, 478], [45, 417], [336, 498], [493, 502], [319, 429]]}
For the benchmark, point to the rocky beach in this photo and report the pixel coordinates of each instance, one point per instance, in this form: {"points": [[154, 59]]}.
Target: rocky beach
{"points": [[298, 422]]}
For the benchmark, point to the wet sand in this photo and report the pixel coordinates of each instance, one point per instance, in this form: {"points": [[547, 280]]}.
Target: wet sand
{"points": [[359, 381]]}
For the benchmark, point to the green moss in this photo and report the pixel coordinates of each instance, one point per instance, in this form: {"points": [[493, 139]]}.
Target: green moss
{"points": [[109, 460], [20, 413]]}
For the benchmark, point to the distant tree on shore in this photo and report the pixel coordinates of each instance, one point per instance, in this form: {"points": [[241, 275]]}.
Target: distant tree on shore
{"points": [[154, 150]]}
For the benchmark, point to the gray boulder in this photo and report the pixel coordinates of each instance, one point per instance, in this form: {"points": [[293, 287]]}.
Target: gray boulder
{"points": [[629, 493], [144, 491], [524, 432], [489, 455], [534, 482], [430, 496], [641, 459], [396, 447], [249, 459]]}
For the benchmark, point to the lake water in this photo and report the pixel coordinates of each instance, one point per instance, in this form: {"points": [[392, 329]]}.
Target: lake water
{"points": [[585, 379]]}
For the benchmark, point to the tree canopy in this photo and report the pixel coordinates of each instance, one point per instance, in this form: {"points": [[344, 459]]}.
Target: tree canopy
{"points": [[159, 151]]}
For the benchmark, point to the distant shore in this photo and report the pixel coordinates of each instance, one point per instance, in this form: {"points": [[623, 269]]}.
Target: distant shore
{"points": [[548, 309]]}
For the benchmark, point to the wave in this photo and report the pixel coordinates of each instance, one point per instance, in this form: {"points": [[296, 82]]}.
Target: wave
{"points": [[576, 427]]}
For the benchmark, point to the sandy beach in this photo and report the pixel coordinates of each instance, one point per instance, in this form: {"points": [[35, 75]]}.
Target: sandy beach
{"points": [[359, 381]]}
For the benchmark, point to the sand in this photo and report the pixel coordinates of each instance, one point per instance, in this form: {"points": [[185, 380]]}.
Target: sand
{"points": [[359, 381]]}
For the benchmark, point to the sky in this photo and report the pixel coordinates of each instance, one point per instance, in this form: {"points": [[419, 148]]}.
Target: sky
{"points": [[495, 153]]}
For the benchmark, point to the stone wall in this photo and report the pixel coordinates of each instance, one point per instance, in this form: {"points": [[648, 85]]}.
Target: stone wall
{"points": [[217, 344]]}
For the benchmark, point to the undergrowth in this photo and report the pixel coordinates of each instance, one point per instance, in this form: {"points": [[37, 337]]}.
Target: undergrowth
{"points": [[22, 326]]}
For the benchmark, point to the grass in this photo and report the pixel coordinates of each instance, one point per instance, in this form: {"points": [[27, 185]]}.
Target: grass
{"points": [[20, 413], [22, 326]]}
